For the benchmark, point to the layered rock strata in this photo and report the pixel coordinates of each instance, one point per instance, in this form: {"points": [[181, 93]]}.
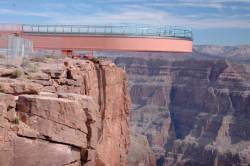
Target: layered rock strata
{"points": [[193, 112], [64, 114]]}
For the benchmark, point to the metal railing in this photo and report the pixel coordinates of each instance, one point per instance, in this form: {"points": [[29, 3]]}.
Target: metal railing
{"points": [[14, 49], [143, 31], [10, 27]]}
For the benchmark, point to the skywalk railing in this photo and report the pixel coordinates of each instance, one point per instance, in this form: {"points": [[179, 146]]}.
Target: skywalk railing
{"points": [[10, 27], [142, 31]]}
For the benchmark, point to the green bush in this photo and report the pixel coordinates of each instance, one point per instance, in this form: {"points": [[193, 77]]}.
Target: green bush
{"points": [[95, 60], [32, 68], [42, 59], [17, 73], [53, 56], [1, 89], [16, 121]]}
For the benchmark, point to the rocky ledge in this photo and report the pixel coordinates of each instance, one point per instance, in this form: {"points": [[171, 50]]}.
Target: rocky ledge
{"points": [[63, 113]]}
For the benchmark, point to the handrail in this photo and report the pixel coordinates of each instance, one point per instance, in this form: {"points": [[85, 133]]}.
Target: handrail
{"points": [[10, 27], [121, 30]]}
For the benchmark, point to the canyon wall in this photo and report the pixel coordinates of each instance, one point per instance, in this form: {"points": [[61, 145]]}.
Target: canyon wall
{"points": [[63, 113], [192, 112]]}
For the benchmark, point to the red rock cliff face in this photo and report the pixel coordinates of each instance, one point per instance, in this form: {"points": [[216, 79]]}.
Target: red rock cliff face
{"points": [[70, 114], [193, 112]]}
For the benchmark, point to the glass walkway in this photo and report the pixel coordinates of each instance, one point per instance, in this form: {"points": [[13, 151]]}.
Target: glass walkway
{"points": [[135, 30]]}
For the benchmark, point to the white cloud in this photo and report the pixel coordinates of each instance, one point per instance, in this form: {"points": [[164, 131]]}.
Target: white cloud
{"points": [[27, 13], [190, 4], [135, 14], [143, 15]]}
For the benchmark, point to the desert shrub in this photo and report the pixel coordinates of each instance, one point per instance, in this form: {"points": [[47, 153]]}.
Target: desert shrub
{"points": [[29, 66], [32, 68], [16, 121], [1, 89], [39, 59], [95, 60], [17, 73], [52, 56], [66, 64]]}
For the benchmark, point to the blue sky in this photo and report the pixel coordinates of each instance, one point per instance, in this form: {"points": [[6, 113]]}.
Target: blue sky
{"points": [[224, 22]]}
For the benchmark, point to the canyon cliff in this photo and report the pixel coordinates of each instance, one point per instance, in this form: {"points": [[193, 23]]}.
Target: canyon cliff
{"points": [[191, 111], [63, 113]]}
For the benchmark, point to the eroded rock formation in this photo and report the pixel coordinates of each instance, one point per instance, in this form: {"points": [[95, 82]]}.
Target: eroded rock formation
{"points": [[64, 114], [193, 112]]}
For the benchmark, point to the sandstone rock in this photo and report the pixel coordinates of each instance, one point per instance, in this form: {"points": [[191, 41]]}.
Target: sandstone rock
{"points": [[92, 113], [17, 87], [26, 131], [55, 131], [62, 111], [8, 100], [69, 89], [30, 152], [140, 152], [5, 155], [11, 115], [59, 129], [76, 163], [55, 73], [5, 72], [86, 102], [5, 145], [44, 82], [69, 82], [60, 120], [38, 76], [48, 94], [51, 89], [73, 72], [88, 156]]}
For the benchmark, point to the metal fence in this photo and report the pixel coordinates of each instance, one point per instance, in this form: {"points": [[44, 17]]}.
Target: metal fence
{"points": [[10, 27], [124, 30], [13, 49]]}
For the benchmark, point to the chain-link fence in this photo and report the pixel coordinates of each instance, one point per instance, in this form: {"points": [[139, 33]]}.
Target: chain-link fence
{"points": [[3, 46], [14, 49]]}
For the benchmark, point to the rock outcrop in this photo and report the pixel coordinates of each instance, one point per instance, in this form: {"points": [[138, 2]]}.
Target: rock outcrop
{"points": [[64, 114], [140, 153], [193, 112]]}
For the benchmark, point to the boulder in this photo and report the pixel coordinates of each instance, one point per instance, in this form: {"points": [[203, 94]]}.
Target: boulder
{"points": [[55, 73], [17, 87], [60, 120], [38, 76], [31, 152]]}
